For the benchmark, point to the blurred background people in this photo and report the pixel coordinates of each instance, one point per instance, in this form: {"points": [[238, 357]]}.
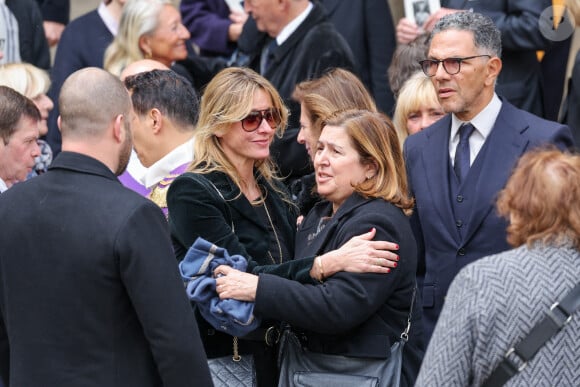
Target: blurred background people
{"points": [[361, 175], [367, 26], [82, 44], [32, 44], [55, 16], [214, 27], [19, 132], [495, 302], [33, 83], [148, 29], [417, 106], [406, 61]]}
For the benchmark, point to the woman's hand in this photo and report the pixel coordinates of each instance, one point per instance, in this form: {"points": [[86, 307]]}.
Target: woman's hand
{"points": [[232, 283], [359, 255]]}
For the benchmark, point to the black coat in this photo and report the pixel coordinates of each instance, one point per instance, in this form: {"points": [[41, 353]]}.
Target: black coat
{"points": [[226, 218], [90, 294], [359, 315]]}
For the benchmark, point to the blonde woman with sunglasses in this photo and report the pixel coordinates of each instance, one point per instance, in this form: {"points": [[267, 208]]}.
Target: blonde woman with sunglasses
{"points": [[232, 197]]}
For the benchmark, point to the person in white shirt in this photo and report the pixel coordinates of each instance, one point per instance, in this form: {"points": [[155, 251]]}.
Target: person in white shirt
{"points": [[163, 127]]}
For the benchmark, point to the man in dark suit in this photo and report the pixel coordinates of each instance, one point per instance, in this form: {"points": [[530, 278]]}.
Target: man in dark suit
{"points": [[89, 291], [457, 165], [518, 21]]}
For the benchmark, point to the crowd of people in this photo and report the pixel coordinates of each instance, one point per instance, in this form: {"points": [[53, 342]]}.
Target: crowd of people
{"points": [[434, 241]]}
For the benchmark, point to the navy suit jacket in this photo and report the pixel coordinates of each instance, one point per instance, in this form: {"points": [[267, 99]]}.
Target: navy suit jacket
{"points": [[443, 251]]}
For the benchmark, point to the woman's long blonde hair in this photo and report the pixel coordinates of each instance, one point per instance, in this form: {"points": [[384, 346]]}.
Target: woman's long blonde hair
{"points": [[227, 99]]}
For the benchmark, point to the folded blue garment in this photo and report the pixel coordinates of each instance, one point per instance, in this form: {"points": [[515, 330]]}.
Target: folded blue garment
{"points": [[230, 316]]}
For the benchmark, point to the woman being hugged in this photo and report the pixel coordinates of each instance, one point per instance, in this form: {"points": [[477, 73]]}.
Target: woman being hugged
{"points": [[360, 173], [232, 197]]}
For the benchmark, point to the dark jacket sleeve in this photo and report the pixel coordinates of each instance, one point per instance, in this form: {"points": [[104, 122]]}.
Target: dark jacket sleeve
{"points": [[152, 281], [345, 300], [55, 10], [33, 44]]}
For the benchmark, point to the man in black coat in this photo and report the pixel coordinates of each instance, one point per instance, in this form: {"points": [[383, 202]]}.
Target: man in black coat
{"points": [[90, 294], [306, 46]]}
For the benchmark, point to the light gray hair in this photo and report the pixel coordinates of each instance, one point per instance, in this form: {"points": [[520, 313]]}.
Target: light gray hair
{"points": [[486, 35]]}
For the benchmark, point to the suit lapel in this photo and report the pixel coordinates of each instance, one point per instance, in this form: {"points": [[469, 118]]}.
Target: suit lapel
{"points": [[504, 146], [435, 159]]}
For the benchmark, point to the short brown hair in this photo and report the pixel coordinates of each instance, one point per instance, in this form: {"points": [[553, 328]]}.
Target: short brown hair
{"points": [[374, 137], [338, 89], [14, 106], [541, 199]]}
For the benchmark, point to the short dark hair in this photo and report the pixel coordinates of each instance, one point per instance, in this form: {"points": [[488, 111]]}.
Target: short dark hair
{"points": [[14, 106], [167, 91]]}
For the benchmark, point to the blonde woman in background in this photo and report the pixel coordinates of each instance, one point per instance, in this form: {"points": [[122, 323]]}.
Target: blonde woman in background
{"points": [[417, 106], [149, 29], [33, 83]]}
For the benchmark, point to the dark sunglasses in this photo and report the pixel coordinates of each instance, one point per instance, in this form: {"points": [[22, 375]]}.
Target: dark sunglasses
{"points": [[253, 120]]}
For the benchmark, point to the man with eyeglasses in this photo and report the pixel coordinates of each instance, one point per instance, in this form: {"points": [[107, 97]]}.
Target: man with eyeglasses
{"points": [[457, 165], [518, 22]]}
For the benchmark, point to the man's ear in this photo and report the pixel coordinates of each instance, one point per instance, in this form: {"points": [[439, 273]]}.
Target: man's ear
{"points": [[157, 118], [58, 123], [119, 131], [494, 66]]}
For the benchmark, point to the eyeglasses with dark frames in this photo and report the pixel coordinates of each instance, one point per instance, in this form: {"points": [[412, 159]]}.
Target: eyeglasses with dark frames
{"points": [[253, 120], [451, 66]]}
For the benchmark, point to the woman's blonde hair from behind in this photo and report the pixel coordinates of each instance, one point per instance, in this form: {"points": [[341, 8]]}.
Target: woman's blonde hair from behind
{"points": [[25, 78]]}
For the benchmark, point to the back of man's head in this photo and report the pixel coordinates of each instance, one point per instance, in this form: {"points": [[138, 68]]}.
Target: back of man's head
{"points": [[14, 106], [90, 100], [166, 91]]}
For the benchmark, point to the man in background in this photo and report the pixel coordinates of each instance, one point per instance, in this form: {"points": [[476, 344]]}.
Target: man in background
{"points": [[19, 132]]}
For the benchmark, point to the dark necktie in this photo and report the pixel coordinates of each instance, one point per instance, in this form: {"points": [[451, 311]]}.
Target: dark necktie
{"points": [[461, 164], [268, 55]]}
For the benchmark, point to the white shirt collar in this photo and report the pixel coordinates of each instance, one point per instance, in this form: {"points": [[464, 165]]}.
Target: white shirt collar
{"points": [[293, 25], [483, 122], [3, 186], [180, 155], [110, 22]]}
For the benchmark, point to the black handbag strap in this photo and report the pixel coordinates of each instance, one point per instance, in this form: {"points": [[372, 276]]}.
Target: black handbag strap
{"points": [[517, 357]]}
